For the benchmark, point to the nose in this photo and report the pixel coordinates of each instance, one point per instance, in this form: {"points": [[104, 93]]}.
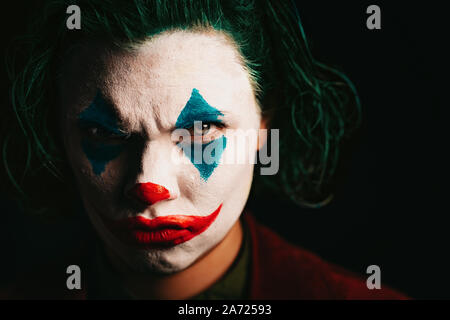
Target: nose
{"points": [[149, 193]]}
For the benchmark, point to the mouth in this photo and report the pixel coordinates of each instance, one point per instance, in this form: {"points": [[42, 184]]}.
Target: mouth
{"points": [[160, 232]]}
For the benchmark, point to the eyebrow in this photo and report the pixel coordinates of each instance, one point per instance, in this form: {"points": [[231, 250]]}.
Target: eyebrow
{"points": [[197, 109], [101, 113]]}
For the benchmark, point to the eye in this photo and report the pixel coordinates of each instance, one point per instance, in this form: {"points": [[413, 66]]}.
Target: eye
{"points": [[99, 133], [206, 131], [205, 127]]}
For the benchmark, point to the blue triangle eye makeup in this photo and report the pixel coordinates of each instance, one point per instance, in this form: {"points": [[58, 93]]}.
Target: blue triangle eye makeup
{"points": [[212, 150], [198, 109], [100, 115]]}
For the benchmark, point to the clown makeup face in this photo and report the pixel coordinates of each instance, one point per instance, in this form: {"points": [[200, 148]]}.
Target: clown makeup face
{"points": [[119, 112]]}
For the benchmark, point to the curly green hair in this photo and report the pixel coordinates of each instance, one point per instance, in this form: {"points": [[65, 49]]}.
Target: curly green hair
{"points": [[315, 106]]}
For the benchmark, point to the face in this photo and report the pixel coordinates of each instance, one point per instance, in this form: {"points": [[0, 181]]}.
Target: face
{"points": [[152, 204]]}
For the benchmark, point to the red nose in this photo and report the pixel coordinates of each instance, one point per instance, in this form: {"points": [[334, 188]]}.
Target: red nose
{"points": [[149, 193]]}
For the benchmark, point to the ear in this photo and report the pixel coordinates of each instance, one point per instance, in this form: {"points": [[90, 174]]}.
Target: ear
{"points": [[262, 135]]}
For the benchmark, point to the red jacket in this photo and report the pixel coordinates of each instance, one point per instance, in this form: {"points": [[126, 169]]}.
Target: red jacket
{"points": [[284, 271], [279, 270]]}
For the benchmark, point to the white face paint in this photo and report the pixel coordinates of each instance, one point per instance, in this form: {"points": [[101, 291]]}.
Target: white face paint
{"points": [[148, 89]]}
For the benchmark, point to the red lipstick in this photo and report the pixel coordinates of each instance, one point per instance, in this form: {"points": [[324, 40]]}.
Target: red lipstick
{"points": [[163, 231]]}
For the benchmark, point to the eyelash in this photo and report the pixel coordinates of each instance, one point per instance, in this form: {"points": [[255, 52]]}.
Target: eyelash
{"points": [[219, 125], [100, 133]]}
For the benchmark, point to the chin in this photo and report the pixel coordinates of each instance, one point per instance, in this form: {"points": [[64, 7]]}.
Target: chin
{"points": [[165, 261], [180, 257], [163, 267]]}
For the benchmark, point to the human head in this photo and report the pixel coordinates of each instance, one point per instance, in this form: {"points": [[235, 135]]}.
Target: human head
{"points": [[118, 117], [307, 99]]}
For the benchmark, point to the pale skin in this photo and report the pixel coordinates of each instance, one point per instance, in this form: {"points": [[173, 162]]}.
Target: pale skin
{"points": [[147, 89]]}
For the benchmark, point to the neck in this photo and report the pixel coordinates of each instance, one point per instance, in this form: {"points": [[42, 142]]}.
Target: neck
{"points": [[191, 281]]}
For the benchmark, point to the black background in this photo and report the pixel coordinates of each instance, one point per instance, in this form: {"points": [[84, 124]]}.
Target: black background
{"points": [[389, 207]]}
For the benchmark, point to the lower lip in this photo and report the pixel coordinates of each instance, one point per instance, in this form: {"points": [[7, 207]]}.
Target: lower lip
{"points": [[159, 238], [153, 238]]}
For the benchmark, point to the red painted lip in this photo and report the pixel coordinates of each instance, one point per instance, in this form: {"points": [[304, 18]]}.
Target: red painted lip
{"points": [[164, 231]]}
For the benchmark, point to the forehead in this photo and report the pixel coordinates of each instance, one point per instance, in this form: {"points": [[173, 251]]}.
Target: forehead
{"points": [[157, 77]]}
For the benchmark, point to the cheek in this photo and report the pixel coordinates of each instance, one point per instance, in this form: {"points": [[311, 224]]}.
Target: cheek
{"points": [[228, 184]]}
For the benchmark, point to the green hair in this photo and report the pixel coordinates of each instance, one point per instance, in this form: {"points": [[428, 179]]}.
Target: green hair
{"points": [[315, 106]]}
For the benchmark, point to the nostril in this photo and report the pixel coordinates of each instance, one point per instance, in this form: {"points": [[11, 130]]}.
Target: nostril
{"points": [[149, 193]]}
